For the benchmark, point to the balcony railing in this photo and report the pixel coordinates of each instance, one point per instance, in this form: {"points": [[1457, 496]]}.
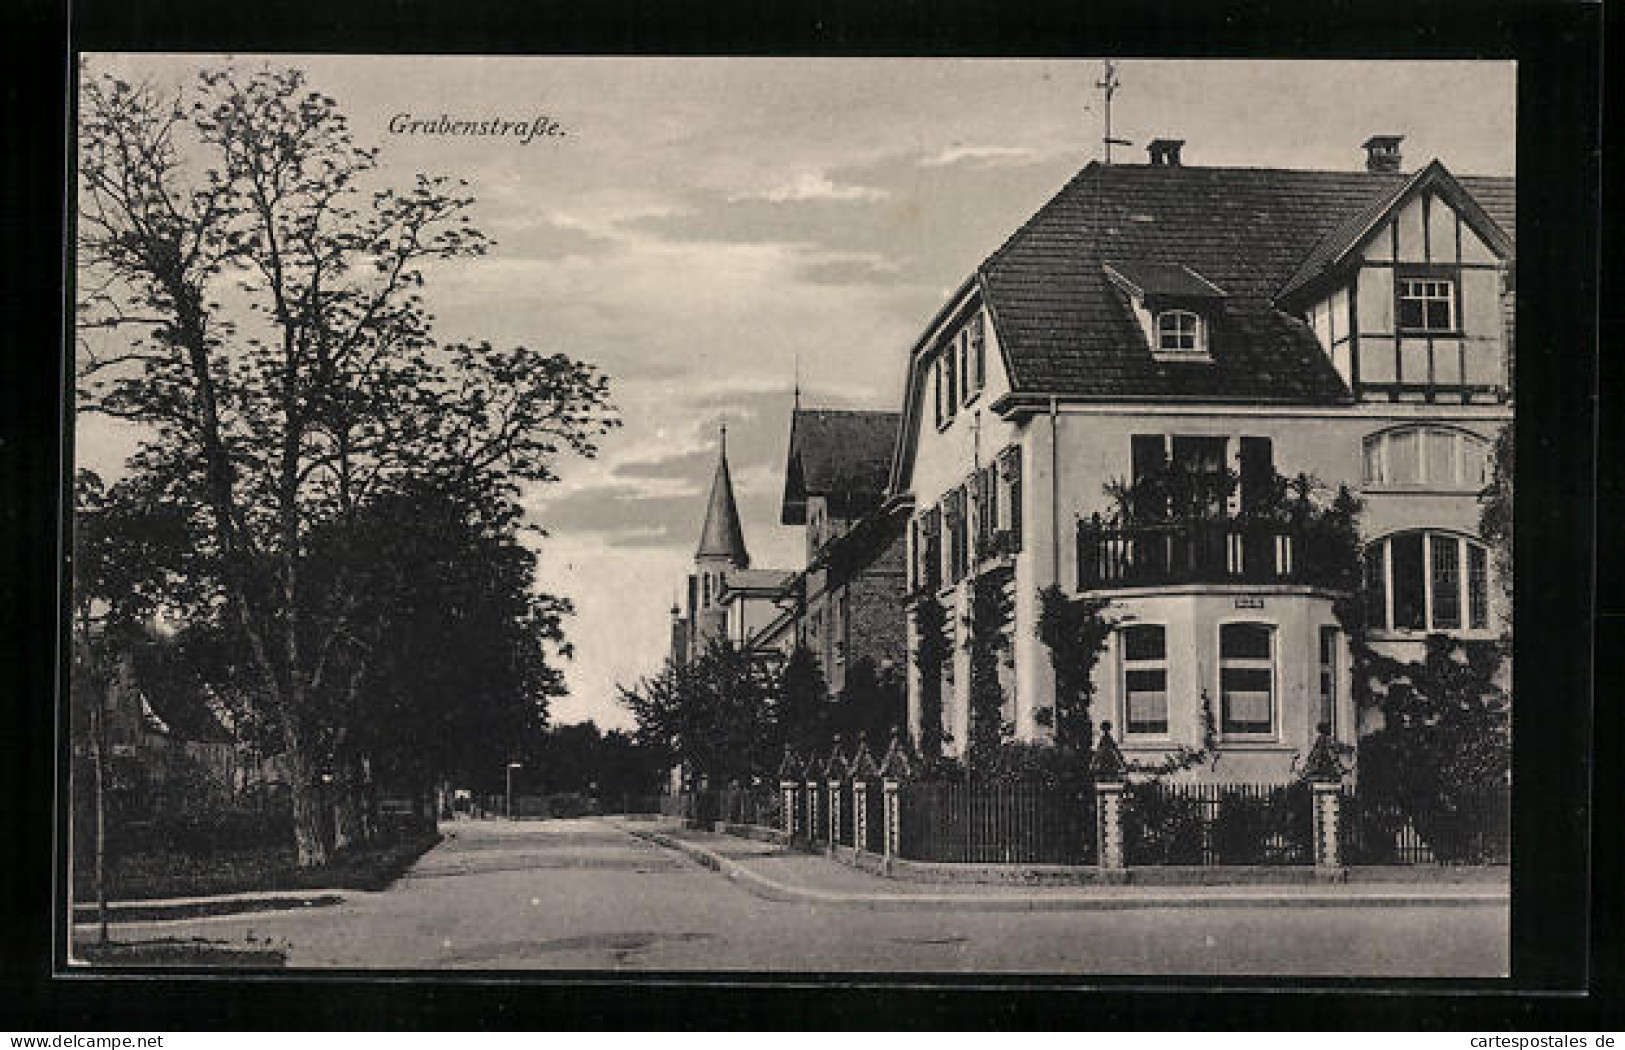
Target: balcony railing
{"points": [[1112, 554]]}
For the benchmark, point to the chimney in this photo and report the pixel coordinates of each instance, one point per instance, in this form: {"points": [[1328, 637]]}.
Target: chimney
{"points": [[1164, 152], [1382, 152]]}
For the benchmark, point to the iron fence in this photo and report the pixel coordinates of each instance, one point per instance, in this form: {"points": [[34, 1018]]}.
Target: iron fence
{"points": [[874, 819], [998, 822], [1218, 824], [846, 799], [759, 806], [1473, 829]]}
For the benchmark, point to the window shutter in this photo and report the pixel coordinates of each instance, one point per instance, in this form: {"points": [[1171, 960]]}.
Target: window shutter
{"points": [[1257, 468], [1012, 473]]}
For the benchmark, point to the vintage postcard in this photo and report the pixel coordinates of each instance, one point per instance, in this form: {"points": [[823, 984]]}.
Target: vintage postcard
{"points": [[779, 515]]}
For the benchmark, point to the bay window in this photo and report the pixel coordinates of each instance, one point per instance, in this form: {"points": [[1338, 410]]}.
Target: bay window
{"points": [[1246, 679], [1427, 581]]}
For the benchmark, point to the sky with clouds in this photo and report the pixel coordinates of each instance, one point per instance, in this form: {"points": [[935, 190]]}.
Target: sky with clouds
{"points": [[702, 227]]}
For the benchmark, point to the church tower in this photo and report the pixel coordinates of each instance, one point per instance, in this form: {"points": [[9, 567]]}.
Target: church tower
{"points": [[721, 548]]}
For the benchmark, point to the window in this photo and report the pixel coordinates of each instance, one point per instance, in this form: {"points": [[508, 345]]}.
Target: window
{"points": [[1423, 581], [1246, 679], [1010, 502], [916, 547], [841, 629], [1202, 459], [987, 509], [1145, 680], [1179, 332], [1427, 304], [1427, 457], [978, 355], [1329, 647], [958, 534], [947, 386], [928, 550]]}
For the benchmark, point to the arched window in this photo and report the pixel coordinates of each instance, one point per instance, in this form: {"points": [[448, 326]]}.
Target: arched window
{"points": [[1179, 332], [1427, 581], [1426, 457]]}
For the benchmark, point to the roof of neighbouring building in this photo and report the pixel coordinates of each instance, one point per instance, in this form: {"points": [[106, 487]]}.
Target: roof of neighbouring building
{"points": [[722, 536], [172, 702], [843, 455], [1065, 326], [758, 581]]}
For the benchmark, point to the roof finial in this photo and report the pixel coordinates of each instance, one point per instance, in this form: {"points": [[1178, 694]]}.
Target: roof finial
{"points": [[1108, 85], [797, 388], [724, 428]]}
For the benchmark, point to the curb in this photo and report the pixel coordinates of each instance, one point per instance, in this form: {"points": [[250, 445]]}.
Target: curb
{"points": [[771, 889], [224, 906]]}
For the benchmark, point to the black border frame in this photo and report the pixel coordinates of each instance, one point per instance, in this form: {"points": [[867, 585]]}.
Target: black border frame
{"points": [[1557, 960]]}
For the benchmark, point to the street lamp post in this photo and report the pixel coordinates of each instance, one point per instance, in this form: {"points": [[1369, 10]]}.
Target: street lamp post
{"points": [[511, 767]]}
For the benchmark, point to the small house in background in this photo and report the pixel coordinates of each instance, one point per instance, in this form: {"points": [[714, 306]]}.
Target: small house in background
{"points": [[1228, 326], [725, 597], [845, 606]]}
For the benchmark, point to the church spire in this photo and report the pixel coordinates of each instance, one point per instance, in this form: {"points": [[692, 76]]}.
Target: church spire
{"points": [[722, 536]]}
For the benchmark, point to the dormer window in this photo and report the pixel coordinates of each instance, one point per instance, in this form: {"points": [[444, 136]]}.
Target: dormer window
{"points": [[1180, 332], [1173, 303]]}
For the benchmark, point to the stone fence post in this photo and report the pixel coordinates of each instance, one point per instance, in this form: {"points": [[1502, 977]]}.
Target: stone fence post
{"points": [[787, 794], [860, 815], [1325, 775], [1110, 773], [811, 787], [834, 813]]}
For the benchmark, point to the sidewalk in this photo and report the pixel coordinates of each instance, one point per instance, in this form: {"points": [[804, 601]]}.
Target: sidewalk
{"points": [[777, 873]]}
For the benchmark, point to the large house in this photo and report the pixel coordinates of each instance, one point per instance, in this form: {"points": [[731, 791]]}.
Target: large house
{"points": [[845, 606], [1352, 326]]}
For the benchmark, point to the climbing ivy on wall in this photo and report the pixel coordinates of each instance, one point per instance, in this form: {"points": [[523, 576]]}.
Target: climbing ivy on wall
{"points": [[1075, 630], [989, 616], [931, 650]]}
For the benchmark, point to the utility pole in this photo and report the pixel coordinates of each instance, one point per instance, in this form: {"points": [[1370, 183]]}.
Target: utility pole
{"points": [[1108, 85]]}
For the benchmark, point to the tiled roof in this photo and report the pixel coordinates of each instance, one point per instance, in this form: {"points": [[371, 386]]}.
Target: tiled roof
{"points": [[1171, 280], [1066, 328], [755, 580], [722, 536], [843, 455], [171, 703]]}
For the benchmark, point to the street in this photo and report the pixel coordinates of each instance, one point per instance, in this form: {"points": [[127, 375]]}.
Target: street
{"points": [[586, 894]]}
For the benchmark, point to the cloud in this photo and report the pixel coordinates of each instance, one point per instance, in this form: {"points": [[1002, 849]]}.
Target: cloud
{"points": [[815, 187], [980, 155]]}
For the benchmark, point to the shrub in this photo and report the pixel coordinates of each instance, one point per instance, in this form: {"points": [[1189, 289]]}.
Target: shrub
{"points": [[1161, 827]]}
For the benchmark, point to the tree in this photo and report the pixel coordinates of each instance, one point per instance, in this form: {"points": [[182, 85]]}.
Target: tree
{"points": [[872, 706], [988, 643], [1446, 738], [129, 554], [1075, 630], [250, 293], [716, 715], [931, 651], [804, 711], [449, 652], [1495, 518]]}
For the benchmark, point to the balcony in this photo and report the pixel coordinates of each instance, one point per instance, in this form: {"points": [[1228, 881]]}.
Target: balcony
{"points": [[1112, 554]]}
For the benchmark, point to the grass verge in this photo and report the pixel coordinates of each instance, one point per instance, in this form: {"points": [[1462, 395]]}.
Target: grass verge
{"points": [[157, 875]]}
